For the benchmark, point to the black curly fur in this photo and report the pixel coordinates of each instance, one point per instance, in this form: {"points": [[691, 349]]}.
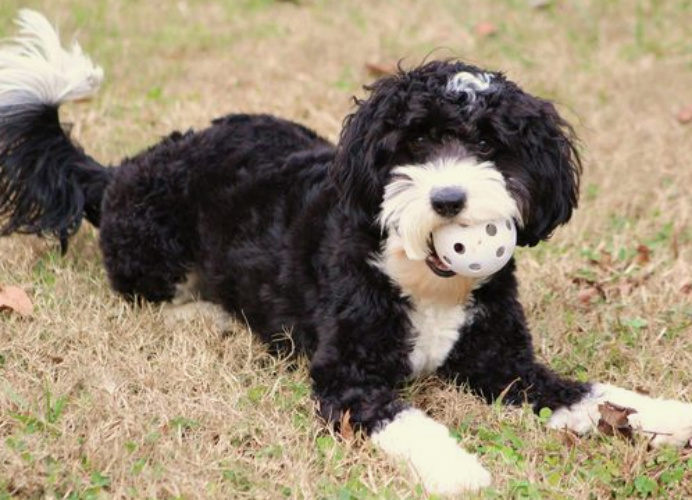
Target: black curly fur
{"points": [[282, 228]]}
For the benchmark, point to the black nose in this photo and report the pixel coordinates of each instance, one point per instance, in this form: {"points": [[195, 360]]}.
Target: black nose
{"points": [[448, 201]]}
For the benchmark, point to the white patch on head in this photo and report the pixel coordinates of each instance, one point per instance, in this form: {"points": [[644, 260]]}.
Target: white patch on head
{"points": [[35, 69], [665, 421], [406, 208], [470, 84], [433, 454], [435, 331]]}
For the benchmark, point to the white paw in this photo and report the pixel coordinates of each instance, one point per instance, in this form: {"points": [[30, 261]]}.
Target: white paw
{"points": [[581, 417], [435, 457], [452, 471], [665, 421]]}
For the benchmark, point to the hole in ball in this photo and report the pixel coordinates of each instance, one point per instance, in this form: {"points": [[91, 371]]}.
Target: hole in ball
{"points": [[491, 229], [459, 248], [509, 226], [446, 259], [500, 251], [475, 266]]}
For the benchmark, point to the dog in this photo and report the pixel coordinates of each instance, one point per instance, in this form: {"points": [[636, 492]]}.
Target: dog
{"points": [[325, 250]]}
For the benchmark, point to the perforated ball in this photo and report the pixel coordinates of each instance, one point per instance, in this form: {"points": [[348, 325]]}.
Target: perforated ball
{"points": [[476, 251]]}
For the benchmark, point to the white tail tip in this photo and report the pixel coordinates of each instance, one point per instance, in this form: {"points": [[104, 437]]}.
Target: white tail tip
{"points": [[36, 69]]}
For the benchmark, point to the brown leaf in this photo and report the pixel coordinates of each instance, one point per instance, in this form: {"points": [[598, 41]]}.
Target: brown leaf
{"points": [[14, 299], [380, 69], [345, 426], [686, 287], [485, 29], [614, 421], [643, 255], [684, 115]]}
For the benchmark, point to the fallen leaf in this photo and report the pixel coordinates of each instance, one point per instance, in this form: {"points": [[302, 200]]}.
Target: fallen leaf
{"points": [[380, 69], [643, 255], [14, 299], [686, 287], [614, 421], [485, 29], [685, 115]]}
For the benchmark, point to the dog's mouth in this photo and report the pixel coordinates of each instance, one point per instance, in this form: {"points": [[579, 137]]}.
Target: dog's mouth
{"points": [[437, 265]]}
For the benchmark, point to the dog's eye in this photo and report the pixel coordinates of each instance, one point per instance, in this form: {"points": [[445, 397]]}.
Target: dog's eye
{"points": [[485, 148], [431, 135], [419, 142]]}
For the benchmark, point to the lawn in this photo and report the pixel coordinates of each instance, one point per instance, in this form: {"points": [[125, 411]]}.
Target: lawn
{"points": [[99, 399]]}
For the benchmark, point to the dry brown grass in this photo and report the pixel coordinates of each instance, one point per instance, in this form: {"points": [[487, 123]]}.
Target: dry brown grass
{"points": [[100, 400]]}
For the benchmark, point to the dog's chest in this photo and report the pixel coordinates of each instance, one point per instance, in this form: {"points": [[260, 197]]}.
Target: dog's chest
{"points": [[435, 330]]}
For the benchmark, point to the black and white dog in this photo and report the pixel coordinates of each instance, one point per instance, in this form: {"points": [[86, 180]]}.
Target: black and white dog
{"points": [[329, 243]]}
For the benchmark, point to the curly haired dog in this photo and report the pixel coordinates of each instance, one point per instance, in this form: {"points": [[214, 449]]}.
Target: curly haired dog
{"points": [[331, 244]]}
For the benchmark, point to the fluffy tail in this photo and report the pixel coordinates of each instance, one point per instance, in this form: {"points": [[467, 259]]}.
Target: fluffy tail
{"points": [[47, 183]]}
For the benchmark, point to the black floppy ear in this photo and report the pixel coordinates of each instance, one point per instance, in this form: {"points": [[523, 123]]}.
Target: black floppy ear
{"points": [[546, 183], [368, 141]]}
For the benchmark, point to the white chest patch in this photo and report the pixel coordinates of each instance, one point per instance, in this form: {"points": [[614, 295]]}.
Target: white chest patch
{"points": [[435, 331]]}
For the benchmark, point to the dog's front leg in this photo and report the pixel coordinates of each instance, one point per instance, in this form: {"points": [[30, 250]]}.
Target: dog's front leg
{"points": [[356, 371], [495, 358], [664, 421]]}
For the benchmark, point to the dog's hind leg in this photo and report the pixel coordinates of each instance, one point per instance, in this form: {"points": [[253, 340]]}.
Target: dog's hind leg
{"points": [[148, 225]]}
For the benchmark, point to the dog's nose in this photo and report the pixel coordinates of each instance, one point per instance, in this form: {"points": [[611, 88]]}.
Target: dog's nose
{"points": [[448, 201]]}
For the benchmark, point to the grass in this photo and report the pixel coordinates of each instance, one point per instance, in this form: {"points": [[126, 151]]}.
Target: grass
{"points": [[100, 400]]}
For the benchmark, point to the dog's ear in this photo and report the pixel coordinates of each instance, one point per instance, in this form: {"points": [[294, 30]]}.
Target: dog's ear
{"points": [[368, 142], [546, 181]]}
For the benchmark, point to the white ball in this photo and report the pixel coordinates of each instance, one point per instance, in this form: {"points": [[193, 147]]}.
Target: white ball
{"points": [[476, 251]]}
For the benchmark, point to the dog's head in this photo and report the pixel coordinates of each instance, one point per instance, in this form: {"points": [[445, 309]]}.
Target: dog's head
{"points": [[450, 142]]}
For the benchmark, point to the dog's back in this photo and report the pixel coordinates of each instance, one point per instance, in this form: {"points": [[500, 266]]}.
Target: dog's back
{"points": [[144, 206], [149, 229]]}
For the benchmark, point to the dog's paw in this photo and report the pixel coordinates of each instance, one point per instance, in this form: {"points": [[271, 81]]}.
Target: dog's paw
{"points": [[440, 464], [669, 423], [581, 417], [666, 422], [451, 471]]}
